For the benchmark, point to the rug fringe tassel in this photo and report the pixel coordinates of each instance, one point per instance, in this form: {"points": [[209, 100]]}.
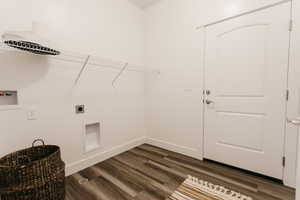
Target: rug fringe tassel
{"points": [[215, 190]]}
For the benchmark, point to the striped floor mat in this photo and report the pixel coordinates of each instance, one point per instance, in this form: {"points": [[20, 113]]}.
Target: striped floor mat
{"points": [[194, 189]]}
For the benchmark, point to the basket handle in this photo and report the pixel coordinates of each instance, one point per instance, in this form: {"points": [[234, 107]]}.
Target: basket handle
{"points": [[38, 140]]}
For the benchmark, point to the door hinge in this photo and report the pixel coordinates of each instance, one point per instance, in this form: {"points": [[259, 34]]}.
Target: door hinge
{"points": [[291, 25], [287, 95], [283, 161]]}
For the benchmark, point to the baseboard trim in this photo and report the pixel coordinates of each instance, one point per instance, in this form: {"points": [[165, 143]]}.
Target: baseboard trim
{"points": [[99, 157], [194, 153], [94, 159]]}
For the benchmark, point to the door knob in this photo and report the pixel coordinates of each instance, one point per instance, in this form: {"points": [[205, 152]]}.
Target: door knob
{"points": [[208, 102], [295, 122]]}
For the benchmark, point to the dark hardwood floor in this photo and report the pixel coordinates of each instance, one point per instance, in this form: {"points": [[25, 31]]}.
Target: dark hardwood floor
{"points": [[151, 173]]}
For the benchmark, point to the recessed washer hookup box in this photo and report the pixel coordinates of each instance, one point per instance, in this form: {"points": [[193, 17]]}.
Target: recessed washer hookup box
{"points": [[8, 97]]}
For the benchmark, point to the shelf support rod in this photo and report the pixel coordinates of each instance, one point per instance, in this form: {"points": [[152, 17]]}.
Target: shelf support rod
{"points": [[119, 74], [82, 69]]}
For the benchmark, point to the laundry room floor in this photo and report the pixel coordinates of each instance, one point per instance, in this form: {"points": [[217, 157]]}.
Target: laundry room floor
{"points": [[151, 173]]}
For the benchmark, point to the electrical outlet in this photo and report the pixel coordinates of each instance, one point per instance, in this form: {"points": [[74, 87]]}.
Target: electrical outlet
{"points": [[79, 109], [31, 114]]}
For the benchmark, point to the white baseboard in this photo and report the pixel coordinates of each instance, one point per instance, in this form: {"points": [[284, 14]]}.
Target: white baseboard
{"points": [[194, 153], [92, 160]]}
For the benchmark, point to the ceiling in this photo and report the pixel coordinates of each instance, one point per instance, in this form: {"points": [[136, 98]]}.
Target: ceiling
{"points": [[143, 3]]}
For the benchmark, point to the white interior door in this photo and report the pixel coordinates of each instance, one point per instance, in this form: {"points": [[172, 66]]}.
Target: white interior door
{"points": [[246, 75]]}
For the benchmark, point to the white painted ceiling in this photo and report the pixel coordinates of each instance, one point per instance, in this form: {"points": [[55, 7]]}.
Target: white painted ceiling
{"points": [[143, 3]]}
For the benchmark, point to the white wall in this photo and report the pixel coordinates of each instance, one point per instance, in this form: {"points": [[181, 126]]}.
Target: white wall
{"points": [[174, 46], [106, 28]]}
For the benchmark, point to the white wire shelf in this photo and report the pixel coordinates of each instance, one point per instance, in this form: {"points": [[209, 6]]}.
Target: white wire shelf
{"points": [[80, 58], [87, 60]]}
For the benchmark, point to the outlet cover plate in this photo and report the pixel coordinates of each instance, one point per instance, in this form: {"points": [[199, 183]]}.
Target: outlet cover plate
{"points": [[79, 109]]}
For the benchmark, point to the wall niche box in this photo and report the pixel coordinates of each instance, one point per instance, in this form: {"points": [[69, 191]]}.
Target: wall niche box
{"points": [[91, 137], [8, 98]]}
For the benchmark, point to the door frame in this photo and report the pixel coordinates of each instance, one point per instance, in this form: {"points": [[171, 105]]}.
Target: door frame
{"points": [[290, 162]]}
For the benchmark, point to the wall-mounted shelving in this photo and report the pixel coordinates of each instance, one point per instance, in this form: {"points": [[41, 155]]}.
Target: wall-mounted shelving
{"points": [[89, 60]]}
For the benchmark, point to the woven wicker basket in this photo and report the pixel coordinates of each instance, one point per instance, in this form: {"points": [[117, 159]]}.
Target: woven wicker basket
{"points": [[36, 173]]}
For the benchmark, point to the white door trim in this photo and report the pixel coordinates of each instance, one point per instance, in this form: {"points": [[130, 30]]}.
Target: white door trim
{"points": [[204, 30], [290, 162]]}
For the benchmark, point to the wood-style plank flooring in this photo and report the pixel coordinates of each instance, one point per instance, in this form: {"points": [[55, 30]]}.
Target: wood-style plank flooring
{"points": [[151, 173]]}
